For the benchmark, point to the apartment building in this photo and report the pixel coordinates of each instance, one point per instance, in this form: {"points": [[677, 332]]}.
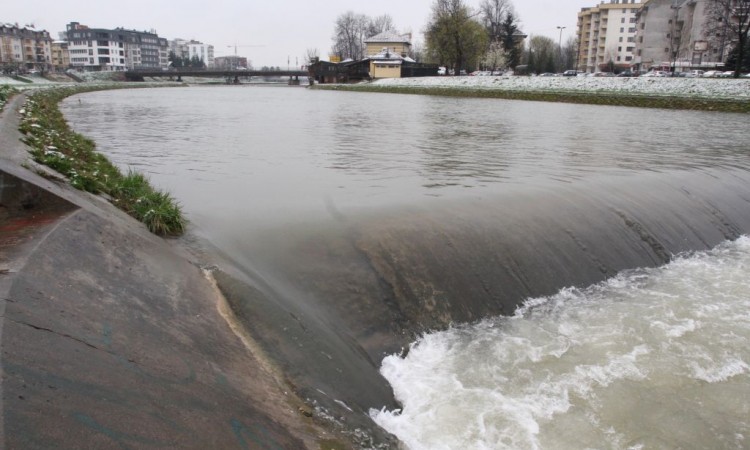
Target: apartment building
{"points": [[99, 49], [24, 49], [676, 35], [60, 55], [187, 49], [607, 36]]}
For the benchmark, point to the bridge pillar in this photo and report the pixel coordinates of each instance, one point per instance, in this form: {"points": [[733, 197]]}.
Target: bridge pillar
{"points": [[179, 78], [294, 81]]}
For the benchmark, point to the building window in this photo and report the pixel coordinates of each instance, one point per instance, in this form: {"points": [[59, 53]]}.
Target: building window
{"points": [[631, 30], [630, 49], [620, 38], [622, 20], [628, 58], [622, 30]]}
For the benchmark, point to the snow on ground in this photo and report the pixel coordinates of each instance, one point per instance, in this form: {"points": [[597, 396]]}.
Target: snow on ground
{"points": [[680, 87]]}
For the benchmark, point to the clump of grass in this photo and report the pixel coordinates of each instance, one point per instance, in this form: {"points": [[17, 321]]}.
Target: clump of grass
{"points": [[5, 93], [161, 213], [54, 144]]}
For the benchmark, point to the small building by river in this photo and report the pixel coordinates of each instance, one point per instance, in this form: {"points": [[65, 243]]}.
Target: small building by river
{"points": [[387, 56], [382, 65]]}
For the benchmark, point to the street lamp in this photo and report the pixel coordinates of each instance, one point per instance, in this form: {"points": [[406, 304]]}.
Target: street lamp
{"points": [[559, 43]]}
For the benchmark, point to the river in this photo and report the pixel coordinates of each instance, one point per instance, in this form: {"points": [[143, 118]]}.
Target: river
{"points": [[585, 263]]}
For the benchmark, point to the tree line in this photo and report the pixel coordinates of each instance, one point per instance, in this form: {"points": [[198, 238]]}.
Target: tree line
{"points": [[194, 63], [460, 38]]}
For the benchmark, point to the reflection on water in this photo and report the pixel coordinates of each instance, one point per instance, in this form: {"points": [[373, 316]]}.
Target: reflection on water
{"points": [[288, 148]]}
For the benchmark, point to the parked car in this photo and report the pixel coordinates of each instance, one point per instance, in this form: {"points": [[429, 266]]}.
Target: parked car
{"points": [[727, 74], [570, 73], [626, 73], [655, 73], [710, 73]]}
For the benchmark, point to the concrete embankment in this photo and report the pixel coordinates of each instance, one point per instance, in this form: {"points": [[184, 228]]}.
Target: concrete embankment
{"points": [[112, 338]]}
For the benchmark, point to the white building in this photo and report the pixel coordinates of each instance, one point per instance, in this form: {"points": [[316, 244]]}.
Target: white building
{"points": [[204, 52], [673, 35], [187, 49], [607, 35], [99, 49]]}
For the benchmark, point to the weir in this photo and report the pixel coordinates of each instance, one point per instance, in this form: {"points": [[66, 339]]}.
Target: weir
{"points": [[328, 300]]}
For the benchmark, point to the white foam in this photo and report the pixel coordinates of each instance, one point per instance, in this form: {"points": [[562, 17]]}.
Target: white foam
{"points": [[617, 365]]}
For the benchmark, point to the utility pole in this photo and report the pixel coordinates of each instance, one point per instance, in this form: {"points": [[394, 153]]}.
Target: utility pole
{"points": [[559, 44]]}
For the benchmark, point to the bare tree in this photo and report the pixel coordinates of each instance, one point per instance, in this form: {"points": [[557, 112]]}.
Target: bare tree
{"points": [[729, 23], [417, 52], [379, 25], [349, 35], [540, 56], [494, 13], [312, 56], [352, 29], [568, 54]]}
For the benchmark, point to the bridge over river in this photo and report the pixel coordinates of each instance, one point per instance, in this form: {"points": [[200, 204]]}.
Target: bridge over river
{"points": [[232, 76]]}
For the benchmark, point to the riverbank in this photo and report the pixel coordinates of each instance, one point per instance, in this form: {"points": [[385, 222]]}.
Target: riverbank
{"points": [[727, 95], [55, 145], [114, 338]]}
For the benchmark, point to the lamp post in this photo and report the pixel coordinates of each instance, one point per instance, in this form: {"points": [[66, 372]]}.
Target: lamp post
{"points": [[559, 43]]}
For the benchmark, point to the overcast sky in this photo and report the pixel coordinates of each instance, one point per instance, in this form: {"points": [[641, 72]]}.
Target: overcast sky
{"points": [[266, 32]]}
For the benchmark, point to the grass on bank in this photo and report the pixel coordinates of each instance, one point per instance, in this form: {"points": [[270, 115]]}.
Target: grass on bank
{"points": [[590, 98], [54, 144], [6, 92]]}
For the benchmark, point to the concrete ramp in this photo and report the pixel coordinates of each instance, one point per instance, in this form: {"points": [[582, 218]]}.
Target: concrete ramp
{"points": [[110, 339]]}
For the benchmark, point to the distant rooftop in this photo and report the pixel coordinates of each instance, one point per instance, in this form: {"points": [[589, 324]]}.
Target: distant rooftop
{"points": [[390, 36]]}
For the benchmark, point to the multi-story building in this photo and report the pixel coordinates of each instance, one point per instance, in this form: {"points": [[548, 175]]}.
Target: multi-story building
{"points": [[391, 41], [203, 52], [230, 62], [100, 49], [676, 35], [60, 55], [24, 48], [606, 36], [187, 49]]}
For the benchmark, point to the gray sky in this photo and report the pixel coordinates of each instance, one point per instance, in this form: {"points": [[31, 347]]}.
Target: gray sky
{"points": [[280, 29]]}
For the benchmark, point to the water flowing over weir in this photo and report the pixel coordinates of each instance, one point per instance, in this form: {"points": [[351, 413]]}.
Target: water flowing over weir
{"points": [[329, 292]]}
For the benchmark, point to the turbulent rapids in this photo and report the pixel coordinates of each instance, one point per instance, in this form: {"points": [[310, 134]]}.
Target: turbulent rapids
{"points": [[651, 358], [341, 241]]}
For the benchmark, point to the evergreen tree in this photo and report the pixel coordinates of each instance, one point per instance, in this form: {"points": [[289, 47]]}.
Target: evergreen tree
{"points": [[508, 29]]}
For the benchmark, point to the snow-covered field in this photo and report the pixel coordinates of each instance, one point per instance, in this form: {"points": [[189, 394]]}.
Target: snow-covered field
{"points": [[680, 87]]}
